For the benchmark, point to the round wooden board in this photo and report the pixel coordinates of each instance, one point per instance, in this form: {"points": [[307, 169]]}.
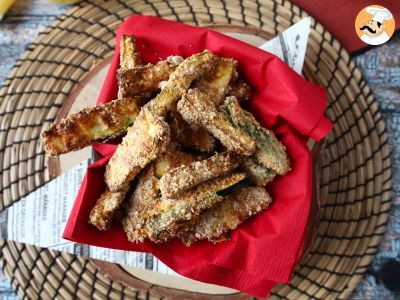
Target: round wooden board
{"points": [[85, 94]]}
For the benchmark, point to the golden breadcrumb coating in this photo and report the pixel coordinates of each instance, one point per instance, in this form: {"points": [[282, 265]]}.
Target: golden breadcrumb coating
{"points": [[150, 134], [191, 136], [129, 57], [145, 79], [216, 83], [144, 196], [105, 209], [169, 215], [179, 81], [240, 90], [196, 108], [214, 223], [147, 139], [147, 192], [90, 125], [269, 151], [259, 174], [129, 54], [186, 177]]}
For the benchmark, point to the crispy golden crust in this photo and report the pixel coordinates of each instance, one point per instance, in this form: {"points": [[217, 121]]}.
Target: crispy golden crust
{"points": [[147, 139], [269, 151], [196, 108], [179, 81], [144, 196], [169, 215], [129, 54], [217, 84], [170, 160], [105, 209], [240, 90], [147, 192], [145, 79], [214, 223], [150, 135], [90, 125], [192, 137], [186, 177], [259, 174]]}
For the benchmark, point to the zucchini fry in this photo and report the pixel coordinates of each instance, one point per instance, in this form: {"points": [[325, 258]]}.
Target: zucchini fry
{"points": [[169, 215], [196, 137], [146, 79], [179, 81], [100, 122], [218, 83], [144, 196], [215, 223], [90, 125], [191, 137], [196, 108], [129, 57], [240, 90], [105, 209], [147, 139], [146, 193], [259, 174], [150, 134], [269, 151], [129, 54], [186, 177]]}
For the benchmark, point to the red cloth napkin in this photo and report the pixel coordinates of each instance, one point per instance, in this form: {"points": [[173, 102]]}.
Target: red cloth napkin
{"points": [[338, 17], [265, 249]]}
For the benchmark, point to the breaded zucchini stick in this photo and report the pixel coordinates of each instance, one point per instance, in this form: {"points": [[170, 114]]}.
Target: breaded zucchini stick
{"points": [[196, 108], [105, 209], [129, 57], [186, 177], [146, 79], [240, 90], [100, 122], [147, 139], [217, 84], [259, 174], [169, 215], [214, 223], [90, 125], [107, 205], [149, 136], [269, 151], [129, 54], [144, 197], [196, 137], [172, 159], [179, 81], [147, 192], [191, 137]]}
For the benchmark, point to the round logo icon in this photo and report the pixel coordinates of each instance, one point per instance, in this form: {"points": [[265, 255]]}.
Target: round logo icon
{"points": [[374, 25]]}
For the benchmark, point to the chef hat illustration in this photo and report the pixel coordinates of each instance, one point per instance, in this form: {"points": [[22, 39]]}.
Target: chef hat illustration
{"points": [[379, 14]]}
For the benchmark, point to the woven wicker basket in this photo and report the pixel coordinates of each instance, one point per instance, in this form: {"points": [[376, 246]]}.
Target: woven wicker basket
{"points": [[355, 189]]}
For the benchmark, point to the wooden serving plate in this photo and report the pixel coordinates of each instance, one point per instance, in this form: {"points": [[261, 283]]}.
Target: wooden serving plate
{"points": [[85, 94]]}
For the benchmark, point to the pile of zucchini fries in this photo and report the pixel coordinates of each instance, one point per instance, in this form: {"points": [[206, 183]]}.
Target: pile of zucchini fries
{"points": [[192, 163]]}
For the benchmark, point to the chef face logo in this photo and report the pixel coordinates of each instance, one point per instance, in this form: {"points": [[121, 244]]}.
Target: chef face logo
{"points": [[374, 25]]}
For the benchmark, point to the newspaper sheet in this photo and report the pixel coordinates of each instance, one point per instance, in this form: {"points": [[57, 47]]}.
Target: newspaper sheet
{"points": [[39, 218]]}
